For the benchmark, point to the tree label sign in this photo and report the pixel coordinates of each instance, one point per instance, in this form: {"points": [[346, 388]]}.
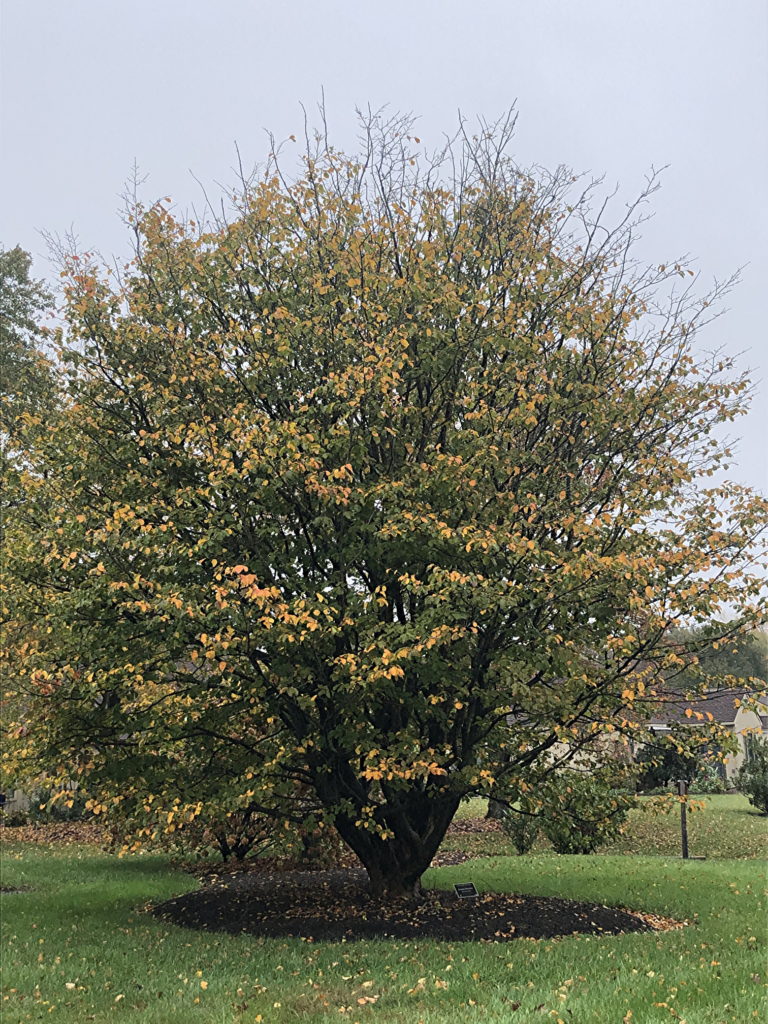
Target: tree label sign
{"points": [[465, 890]]}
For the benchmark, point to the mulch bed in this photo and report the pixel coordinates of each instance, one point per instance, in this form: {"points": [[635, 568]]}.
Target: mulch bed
{"points": [[335, 906]]}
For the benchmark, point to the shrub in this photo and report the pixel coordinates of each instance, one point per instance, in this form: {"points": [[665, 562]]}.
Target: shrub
{"points": [[47, 806], [708, 780], [522, 826], [13, 819], [752, 778], [51, 805], [582, 812], [664, 760], [232, 834]]}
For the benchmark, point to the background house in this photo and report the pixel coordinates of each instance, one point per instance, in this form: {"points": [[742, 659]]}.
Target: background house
{"points": [[727, 708]]}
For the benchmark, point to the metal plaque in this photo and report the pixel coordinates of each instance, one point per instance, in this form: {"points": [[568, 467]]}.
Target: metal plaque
{"points": [[465, 890]]}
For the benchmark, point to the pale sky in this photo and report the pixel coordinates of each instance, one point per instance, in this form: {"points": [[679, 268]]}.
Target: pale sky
{"points": [[605, 86]]}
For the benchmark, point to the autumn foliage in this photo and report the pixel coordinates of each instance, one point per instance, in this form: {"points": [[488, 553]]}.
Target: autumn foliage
{"points": [[389, 489]]}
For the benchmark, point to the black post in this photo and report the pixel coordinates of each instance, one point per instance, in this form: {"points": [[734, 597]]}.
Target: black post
{"points": [[682, 790]]}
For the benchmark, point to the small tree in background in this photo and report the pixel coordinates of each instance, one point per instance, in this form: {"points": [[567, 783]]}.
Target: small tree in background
{"points": [[387, 487], [583, 811], [522, 824], [578, 803], [667, 757]]}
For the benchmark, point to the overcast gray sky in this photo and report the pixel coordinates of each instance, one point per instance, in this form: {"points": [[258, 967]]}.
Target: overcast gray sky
{"points": [[609, 87]]}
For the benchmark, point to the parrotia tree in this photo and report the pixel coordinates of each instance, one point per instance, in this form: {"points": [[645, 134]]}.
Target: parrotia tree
{"points": [[391, 488]]}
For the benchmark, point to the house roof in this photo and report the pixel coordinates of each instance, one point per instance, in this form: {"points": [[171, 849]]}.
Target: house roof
{"points": [[722, 705]]}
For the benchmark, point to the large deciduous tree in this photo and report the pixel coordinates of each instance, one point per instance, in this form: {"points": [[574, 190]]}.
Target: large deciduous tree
{"points": [[389, 489]]}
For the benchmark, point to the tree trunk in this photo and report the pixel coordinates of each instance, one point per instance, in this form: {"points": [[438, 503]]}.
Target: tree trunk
{"points": [[495, 810], [394, 881], [395, 865], [223, 845]]}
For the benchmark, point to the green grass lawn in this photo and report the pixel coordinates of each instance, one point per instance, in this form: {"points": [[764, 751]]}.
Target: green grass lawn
{"points": [[76, 947], [726, 827]]}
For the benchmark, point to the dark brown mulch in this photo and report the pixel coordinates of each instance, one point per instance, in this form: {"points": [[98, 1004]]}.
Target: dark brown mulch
{"points": [[334, 905]]}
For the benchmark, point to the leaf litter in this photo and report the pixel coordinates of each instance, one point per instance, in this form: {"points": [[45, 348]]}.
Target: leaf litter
{"points": [[335, 905]]}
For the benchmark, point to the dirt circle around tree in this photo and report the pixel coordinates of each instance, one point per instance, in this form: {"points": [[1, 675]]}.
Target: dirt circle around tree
{"points": [[335, 906]]}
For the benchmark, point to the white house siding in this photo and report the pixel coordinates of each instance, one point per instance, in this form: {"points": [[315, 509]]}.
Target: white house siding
{"points": [[745, 724]]}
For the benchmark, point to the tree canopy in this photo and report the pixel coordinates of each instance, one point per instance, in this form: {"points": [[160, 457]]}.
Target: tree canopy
{"points": [[390, 488], [26, 383], [743, 662]]}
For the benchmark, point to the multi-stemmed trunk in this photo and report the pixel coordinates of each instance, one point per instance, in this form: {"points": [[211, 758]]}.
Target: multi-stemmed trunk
{"points": [[395, 865]]}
